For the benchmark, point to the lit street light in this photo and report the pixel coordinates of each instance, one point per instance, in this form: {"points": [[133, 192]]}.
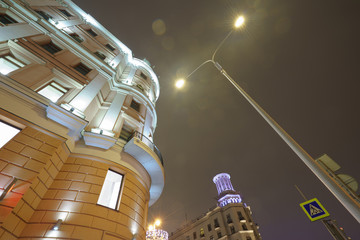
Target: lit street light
{"points": [[350, 202]]}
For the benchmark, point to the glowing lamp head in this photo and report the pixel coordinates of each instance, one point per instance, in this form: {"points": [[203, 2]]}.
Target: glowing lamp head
{"points": [[151, 228], [157, 222], [180, 83], [239, 22]]}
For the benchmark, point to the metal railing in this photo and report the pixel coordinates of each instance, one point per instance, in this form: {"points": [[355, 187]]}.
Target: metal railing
{"points": [[148, 143]]}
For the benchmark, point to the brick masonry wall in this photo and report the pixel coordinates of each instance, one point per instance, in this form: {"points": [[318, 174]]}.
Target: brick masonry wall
{"points": [[35, 158], [72, 197]]}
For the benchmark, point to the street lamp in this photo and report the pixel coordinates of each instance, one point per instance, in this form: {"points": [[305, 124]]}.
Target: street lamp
{"points": [[350, 202]]}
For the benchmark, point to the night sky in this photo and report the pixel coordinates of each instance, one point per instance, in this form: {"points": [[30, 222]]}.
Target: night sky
{"points": [[298, 59]]}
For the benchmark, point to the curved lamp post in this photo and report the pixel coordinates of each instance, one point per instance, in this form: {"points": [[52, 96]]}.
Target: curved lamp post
{"points": [[350, 202]]}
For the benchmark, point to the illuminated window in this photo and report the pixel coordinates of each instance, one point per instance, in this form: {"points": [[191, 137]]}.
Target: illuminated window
{"points": [[51, 47], [6, 19], [53, 91], [91, 32], [76, 37], [9, 63], [110, 191], [202, 233], [43, 14], [7, 132], [135, 105], [111, 48], [81, 68], [232, 229], [100, 55], [66, 13]]}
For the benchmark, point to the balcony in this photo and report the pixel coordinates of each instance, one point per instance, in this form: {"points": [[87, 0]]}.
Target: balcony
{"points": [[149, 156]]}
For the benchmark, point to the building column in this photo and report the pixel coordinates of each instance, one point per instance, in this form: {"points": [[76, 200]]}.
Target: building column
{"points": [[113, 112], [18, 30], [84, 98]]}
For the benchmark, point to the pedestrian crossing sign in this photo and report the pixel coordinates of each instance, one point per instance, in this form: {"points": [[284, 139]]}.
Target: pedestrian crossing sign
{"points": [[314, 210]]}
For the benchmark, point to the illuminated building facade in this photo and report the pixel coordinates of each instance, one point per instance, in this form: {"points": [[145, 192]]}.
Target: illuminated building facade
{"points": [[230, 219], [77, 119]]}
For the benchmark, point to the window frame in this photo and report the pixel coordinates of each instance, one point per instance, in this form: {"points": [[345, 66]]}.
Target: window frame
{"points": [[19, 63], [12, 126], [81, 66], [57, 88], [117, 206], [8, 18], [51, 47]]}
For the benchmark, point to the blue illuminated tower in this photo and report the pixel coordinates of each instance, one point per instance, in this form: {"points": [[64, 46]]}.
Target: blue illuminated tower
{"points": [[226, 192]]}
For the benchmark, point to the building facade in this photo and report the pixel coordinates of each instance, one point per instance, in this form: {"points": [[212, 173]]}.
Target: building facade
{"points": [[77, 119], [230, 220]]}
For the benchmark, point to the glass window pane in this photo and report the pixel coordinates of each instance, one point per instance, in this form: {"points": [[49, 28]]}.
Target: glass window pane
{"points": [[6, 66], [110, 191], [7, 133], [51, 93]]}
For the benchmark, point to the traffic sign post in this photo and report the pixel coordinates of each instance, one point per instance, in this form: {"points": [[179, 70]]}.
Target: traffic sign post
{"points": [[314, 210]]}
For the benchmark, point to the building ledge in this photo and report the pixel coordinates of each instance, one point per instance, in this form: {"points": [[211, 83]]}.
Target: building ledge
{"points": [[146, 153], [98, 140], [74, 123]]}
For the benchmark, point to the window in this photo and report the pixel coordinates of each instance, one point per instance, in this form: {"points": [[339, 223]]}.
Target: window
{"points": [[66, 13], [7, 132], [143, 75], [76, 37], [53, 91], [91, 32], [111, 48], [211, 237], [6, 19], [216, 223], [241, 217], [126, 132], [81, 68], [100, 55], [248, 238], [209, 227], [244, 226], [43, 14], [202, 233], [194, 235], [228, 219], [232, 229], [9, 63], [110, 191], [51, 47], [219, 234], [135, 105]]}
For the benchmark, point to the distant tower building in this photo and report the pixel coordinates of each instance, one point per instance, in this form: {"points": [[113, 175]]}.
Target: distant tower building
{"points": [[77, 120], [226, 192], [230, 219]]}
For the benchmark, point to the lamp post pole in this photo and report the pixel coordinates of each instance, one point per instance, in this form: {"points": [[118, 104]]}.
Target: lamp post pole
{"points": [[351, 204]]}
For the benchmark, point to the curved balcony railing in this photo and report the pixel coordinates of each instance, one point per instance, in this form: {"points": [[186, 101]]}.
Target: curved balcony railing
{"points": [[148, 143]]}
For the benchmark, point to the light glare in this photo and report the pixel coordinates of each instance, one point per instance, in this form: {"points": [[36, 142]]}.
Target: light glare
{"points": [[180, 83], [239, 21], [157, 222]]}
